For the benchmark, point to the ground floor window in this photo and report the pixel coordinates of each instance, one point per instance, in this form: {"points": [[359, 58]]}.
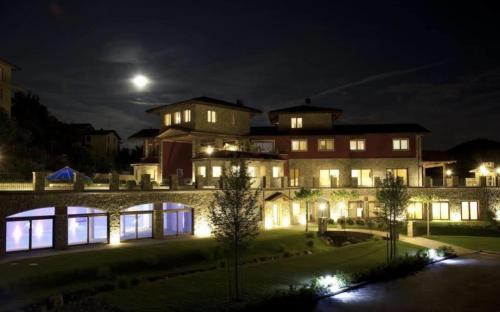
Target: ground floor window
{"points": [[87, 226], [415, 211], [469, 210], [136, 222], [32, 229], [177, 219], [373, 209], [356, 209], [440, 211]]}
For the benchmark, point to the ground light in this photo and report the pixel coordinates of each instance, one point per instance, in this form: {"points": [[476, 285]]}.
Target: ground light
{"points": [[331, 282], [433, 255]]}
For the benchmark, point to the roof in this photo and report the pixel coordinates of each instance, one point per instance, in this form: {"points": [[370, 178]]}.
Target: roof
{"points": [[104, 132], [14, 66], [304, 109], [343, 129], [208, 100], [276, 196], [145, 133]]}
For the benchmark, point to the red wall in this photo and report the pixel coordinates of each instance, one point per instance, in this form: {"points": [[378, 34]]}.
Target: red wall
{"points": [[176, 155]]}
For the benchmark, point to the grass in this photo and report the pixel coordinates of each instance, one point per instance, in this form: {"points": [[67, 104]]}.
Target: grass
{"points": [[23, 283], [207, 291], [471, 242]]}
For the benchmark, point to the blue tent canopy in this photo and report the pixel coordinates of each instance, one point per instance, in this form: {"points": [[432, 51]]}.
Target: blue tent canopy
{"points": [[65, 174]]}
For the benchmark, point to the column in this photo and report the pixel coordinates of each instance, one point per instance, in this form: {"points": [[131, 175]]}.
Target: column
{"points": [[158, 221], [146, 182], [114, 181], [114, 226], [2, 237], [78, 185], [39, 181], [61, 228]]}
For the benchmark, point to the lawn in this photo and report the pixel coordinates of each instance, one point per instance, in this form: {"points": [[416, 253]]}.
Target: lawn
{"points": [[32, 280], [207, 291], [471, 242]]}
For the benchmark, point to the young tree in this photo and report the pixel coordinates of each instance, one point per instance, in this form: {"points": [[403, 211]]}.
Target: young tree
{"points": [[426, 200], [343, 197], [393, 197], [308, 196], [234, 217]]}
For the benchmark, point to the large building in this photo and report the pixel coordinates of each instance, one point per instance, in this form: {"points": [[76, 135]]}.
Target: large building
{"points": [[7, 88]]}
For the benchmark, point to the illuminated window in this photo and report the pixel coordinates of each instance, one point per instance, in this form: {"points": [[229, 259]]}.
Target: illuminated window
{"points": [[400, 144], [216, 171], [251, 172], [187, 115], [326, 175], [264, 146], [325, 144], [415, 211], [401, 174], [364, 177], [296, 122], [211, 116], [294, 177], [355, 209], [469, 210], [136, 222], [177, 117], [202, 171], [295, 208], [299, 145], [276, 172], [168, 119], [32, 229], [440, 211], [357, 145], [87, 226]]}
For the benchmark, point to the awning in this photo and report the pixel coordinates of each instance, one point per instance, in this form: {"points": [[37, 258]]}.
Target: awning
{"points": [[64, 175], [277, 196]]}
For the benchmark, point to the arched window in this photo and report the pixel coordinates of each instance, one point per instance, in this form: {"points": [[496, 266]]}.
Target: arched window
{"points": [[32, 229], [136, 222], [177, 219], [87, 226]]}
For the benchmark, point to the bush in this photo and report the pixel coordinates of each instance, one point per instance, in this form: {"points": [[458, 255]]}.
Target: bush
{"points": [[350, 221], [445, 251], [310, 243], [360, 222], [296, 298], [131, 184], [370, 223], [123, 282], [331, 221], [470, 228]]}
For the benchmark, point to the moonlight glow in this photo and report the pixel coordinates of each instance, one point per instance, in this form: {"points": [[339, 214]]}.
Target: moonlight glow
{"points": [[140, 81]]}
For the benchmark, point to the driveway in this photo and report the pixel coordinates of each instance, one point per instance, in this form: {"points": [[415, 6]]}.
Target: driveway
{"points": [[468, 283]]}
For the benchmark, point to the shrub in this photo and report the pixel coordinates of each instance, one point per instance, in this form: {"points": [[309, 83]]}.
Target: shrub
{"points": [[331, 221], [131, 184], [445, 251], [123, 282], [350, 221], [310, 243], [370, 223], [341, 221], [296, 298], [360, 222]]}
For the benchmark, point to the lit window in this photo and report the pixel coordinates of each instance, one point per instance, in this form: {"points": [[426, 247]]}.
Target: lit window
{"points": [[415, 211], [469, 210], [400, 144], [216, 171], [325, 145], [355, 209], [364, 176], [251, 172], [357, 145], [299, 145], [168, 119], [177, 117], [326, 175], [211, 116], [187, 115], [400, 174], [276, 172], [440, 211], [295, 208], [296, 122], [264, 146], [294, 177]]}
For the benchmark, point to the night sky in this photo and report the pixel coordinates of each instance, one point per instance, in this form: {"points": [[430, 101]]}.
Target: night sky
{"points": [[431, 62]]}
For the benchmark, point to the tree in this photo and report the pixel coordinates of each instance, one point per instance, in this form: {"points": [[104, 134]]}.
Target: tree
{"points": [[393, 197], [343, 196], [426, 200], [234, 217], [308, 196]]}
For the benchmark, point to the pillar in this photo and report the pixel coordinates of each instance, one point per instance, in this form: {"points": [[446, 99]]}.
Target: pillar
{"points": [[78, 184], [174, 182], [146, 182], [61, 228], [411, 231], [158, 221], [39, 181], [114, 181], [284, 182], [114, 226], [2, 237]]}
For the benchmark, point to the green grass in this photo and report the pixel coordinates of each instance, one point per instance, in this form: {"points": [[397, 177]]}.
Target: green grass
{"points": [[207, 291], [471, 242], [25, 283]]}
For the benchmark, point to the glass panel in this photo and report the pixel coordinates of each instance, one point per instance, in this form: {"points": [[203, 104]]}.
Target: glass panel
{"points": [[41, 233], [353, 146], [396, 144], [18, 235], [170, 223], [84, 210], [465, 210], [98, 227], [144, 225], [436, 211], [361, 144], [216, 171], [77, 230], [143, 207], [185, 222], [127, 227], [473, 210], [404, 144], [49, 211], [170, 206], [444, 211]]}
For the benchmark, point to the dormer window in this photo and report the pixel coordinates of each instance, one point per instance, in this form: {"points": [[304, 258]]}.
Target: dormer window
{"points": [[177, 117], [168, 119], [296, 122], [211, 116]]}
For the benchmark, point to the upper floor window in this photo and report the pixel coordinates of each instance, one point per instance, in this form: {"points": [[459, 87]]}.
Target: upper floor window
{"points": [[299, 145], [357, 145], [296, 122], [168, 119], [264, 146], [211, 116], [294, 177], [400, 144], [401, 174], [187, 115], [276, 172], [216, 171], [177, 117], [325, 144]]}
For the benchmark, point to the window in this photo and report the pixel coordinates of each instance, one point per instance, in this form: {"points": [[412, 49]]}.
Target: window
{"points": [[400, 174], [400, 144], [211, 116], [294, 177], [357, 145], [168, 119], [325, 145], [177, 117], [276, 172], [216, 171], [295, 209], [469, 210], [355, 209], [251, 172], [177, 219], [440, 211], [364, 176], [296, 122], [415, 211], [202, 171], [136, 222], [187, 115], [87, 226], [326, 175], [299, 145], [32, 229], [264, 146]]}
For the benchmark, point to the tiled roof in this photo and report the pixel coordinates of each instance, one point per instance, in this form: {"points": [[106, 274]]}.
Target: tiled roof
{"points": [[145, 133], [208, 100], [343, 129]]}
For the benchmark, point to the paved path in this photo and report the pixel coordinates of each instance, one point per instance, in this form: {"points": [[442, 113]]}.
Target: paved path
{"points": [[468, 283]]}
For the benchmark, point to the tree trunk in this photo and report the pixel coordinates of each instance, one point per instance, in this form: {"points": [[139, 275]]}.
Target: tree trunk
{"points": [[307, 216], [236, 274]]}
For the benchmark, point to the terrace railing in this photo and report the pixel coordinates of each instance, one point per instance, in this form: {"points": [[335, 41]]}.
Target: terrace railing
{"points": [[15, 182]]}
